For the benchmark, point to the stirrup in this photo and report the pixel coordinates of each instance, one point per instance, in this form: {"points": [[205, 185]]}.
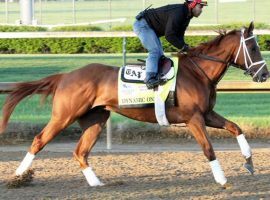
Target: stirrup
{"points": [[155, 83]]}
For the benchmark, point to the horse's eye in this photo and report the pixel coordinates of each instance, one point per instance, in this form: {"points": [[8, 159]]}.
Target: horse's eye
{"points": [[254, 49]]}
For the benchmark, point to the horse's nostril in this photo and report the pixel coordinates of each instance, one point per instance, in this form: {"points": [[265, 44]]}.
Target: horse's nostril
{"points": [[265, 75]]}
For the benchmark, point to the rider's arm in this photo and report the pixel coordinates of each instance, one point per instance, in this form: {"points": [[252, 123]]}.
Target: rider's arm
{"points": [[174, 32]]}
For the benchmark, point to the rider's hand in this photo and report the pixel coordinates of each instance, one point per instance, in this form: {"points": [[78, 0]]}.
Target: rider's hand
{"points": [[185, 48]]}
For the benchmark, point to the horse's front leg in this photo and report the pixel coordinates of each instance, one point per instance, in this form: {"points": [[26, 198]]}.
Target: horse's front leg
{"points": [[91, 123], [197, 126], [212, 119]]}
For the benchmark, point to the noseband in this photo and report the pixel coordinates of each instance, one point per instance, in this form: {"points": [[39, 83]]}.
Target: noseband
{"points": [[247, 58]]}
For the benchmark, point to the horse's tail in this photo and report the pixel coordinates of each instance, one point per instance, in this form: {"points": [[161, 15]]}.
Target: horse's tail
{"points": [[45, 86]]}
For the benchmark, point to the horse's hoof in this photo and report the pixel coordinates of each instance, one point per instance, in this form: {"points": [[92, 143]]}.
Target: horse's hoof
{"points": [[101, 184], [227, 186], [250, 168], [21, 181]]}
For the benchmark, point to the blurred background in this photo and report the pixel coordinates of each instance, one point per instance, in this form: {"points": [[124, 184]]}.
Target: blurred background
{"points": [[109, 13]]}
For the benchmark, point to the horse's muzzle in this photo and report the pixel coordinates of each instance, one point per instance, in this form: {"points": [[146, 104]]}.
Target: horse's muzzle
{"points": [[265, 76], [262, 78]]}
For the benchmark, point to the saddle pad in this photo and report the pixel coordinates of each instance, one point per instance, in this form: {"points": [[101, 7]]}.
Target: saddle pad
{"points": [[133, 73], [137, 95]]}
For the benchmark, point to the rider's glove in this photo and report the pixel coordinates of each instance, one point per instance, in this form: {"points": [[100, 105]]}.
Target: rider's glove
{"points": [[185, 48]]}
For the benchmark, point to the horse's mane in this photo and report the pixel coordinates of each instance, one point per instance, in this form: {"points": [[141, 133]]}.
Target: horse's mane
{"points": [[204, 47]]}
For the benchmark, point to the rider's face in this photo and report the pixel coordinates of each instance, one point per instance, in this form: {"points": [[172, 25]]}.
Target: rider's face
{"points": [[197, 10]]}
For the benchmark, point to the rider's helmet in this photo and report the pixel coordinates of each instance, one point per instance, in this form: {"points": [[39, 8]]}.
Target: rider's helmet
{"points": [[193, 3]]}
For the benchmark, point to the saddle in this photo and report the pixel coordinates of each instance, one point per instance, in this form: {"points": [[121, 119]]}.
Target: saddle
{"points": [[135, 73], [165, 66]]}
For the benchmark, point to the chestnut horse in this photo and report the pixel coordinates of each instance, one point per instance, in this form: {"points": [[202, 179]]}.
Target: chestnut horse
{"points": [[89, 94]]}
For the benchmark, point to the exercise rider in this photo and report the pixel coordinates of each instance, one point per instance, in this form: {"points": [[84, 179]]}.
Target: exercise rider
{"points": [[170, 21]]}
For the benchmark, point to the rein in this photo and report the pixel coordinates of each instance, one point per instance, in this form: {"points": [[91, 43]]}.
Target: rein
{"points": [[194, 63], [206, 57], [214, 59]]}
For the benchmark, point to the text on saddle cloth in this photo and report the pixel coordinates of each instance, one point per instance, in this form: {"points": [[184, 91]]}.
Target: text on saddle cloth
{"points": [[133, 93]]}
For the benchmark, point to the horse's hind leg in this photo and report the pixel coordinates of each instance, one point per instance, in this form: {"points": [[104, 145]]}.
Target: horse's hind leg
{"points": [[214, 120], [92, 124], [64, 112], [44, 137], [70, 101], [197, 126]]}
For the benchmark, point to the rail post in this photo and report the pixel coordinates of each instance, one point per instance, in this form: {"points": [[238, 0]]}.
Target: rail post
{"points": [[124, 50]]}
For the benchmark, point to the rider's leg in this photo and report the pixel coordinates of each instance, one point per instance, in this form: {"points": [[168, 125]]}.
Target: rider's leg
{"points": [[152, 43]]}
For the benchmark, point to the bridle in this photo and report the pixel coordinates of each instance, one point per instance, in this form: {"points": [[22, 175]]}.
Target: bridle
{"points": [[247, 58]]}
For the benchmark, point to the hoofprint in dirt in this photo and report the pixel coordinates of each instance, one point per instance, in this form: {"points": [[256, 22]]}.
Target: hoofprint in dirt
{"points": [[163, 175]]}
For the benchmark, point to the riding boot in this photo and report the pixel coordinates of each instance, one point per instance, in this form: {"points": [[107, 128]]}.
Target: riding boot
{"points": [[151, 80]]}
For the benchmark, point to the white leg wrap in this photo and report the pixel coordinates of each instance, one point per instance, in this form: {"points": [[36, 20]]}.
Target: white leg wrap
{"points": [[244, 146], [25, 164], [91, 178], [218, 172]]}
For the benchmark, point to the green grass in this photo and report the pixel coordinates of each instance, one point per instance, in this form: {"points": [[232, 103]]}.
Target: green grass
{"points": [[59, 12], [32, 67], [247, 109]]}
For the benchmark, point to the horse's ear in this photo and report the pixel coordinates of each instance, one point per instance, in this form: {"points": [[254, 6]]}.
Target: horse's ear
{"points": [[250, 28]]}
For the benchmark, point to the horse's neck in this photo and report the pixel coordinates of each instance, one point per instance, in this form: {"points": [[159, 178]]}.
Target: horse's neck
{"points": [[214, 69]]}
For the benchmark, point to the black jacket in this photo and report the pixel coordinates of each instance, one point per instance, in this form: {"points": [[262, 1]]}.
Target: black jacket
{"points": [[170, 21]]}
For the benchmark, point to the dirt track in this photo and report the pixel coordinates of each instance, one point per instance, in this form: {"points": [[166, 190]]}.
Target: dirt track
{"points": [[131, 175]]}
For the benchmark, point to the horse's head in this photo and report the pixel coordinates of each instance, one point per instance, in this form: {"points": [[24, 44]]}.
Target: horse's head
{"points": [[248, 56]]}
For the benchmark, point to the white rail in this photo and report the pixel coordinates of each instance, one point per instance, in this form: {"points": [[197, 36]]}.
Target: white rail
{"points": [[98, 34]]}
